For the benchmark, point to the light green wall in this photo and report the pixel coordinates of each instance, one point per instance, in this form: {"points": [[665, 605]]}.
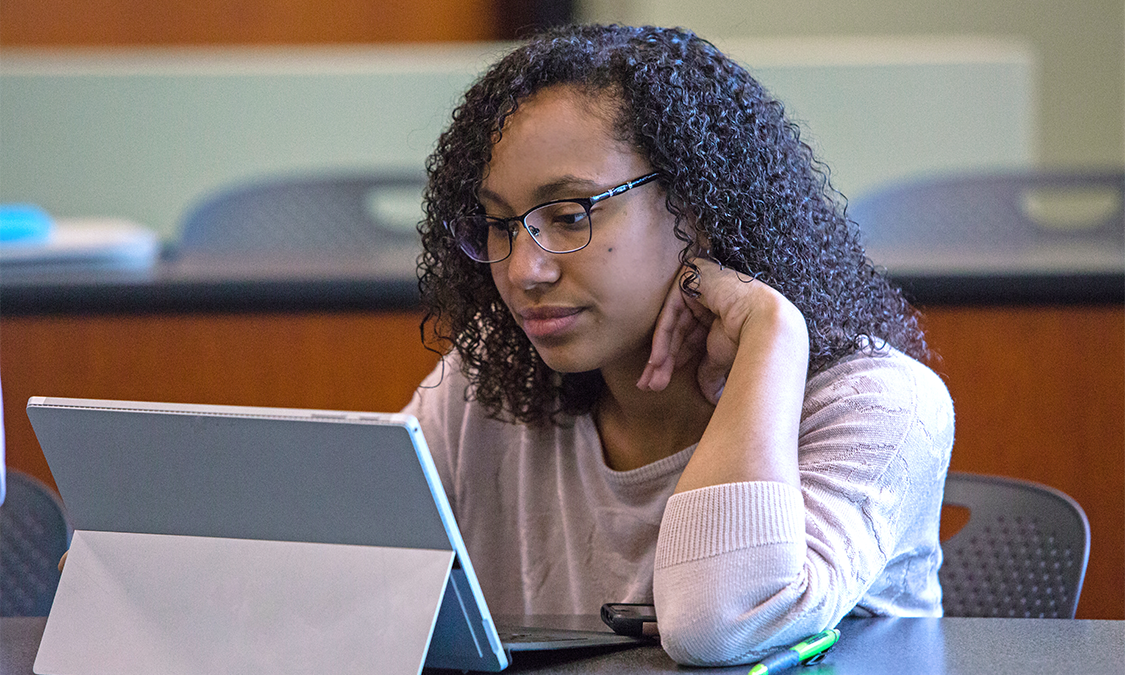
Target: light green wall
{"points": [[1079, 44], [878, 111], [144, 134]]}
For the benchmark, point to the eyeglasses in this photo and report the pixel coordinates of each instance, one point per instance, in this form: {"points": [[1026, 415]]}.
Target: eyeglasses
{"points": [[559, 226]]}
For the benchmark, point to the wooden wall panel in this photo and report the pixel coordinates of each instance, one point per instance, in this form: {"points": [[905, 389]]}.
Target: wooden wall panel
{"points": [[220, 22], [368, 362], [1039, 393]]}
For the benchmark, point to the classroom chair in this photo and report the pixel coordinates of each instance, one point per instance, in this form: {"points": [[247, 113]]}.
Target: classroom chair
{"points": [[305, 216], [34, 533], [1018, 217], [1022, 553]]}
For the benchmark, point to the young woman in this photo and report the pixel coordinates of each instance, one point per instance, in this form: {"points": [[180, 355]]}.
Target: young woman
{"points": [[674, 376]]}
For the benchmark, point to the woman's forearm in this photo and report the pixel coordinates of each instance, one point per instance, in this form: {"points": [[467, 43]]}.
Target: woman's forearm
{"points": [[752, 435]]}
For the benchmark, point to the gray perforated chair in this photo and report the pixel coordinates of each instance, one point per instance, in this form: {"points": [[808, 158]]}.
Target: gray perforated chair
{"points": [[302, 216], [1022, 553], [1042, 235], [34, 533]]}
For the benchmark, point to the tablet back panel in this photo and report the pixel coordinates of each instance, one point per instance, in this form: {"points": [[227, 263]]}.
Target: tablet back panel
{"points": [[221, 471], [202, 475]]}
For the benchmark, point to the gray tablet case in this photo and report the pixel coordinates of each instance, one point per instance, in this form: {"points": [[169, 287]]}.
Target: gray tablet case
{"points": [[236, 539]]}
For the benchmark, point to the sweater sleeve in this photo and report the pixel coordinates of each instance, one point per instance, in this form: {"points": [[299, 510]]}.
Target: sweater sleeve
{"points": [[742, 568]]}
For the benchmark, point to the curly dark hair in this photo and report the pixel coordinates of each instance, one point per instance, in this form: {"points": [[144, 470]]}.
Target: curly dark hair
{"points": [[733, 169]]}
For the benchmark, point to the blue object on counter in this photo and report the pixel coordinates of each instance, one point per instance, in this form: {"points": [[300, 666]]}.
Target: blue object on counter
{"points": [[24, 224]]}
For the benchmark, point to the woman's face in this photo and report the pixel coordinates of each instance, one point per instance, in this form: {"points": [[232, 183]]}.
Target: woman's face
{"points": [[594, 308]]}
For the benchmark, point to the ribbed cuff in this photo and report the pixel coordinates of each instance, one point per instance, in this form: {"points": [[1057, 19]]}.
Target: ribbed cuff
{"points": [[718, 519]]}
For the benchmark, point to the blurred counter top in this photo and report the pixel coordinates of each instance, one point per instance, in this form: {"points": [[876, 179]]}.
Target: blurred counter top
{"points": [[1013, 288], [386, 283], [390, 283]]}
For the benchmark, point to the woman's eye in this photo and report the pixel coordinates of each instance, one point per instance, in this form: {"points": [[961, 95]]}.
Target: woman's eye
{"points": [[569, 217], [498, 225]]}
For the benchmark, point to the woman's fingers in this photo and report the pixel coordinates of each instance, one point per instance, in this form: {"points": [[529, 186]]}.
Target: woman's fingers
{"points": [[710, 322], [687, 326], [674, 326]]}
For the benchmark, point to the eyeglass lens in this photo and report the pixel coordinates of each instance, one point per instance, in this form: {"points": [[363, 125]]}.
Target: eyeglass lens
{"points": [[560, 227]]}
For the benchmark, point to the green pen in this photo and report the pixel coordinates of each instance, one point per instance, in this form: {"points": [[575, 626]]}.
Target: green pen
{"points": [[802, 652]]}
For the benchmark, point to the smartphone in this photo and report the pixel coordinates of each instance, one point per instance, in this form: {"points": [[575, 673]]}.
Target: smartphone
{"points": [[625, 618]]}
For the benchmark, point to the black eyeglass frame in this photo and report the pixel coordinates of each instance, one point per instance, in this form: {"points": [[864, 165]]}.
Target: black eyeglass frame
{"points": [[586, 203]]}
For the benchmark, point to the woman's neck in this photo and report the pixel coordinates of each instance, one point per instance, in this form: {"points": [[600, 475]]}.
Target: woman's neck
{"points": [[640, 427]]}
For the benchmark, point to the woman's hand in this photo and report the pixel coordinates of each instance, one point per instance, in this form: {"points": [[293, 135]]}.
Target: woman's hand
{"points": [[713, 321], [755, 355]]}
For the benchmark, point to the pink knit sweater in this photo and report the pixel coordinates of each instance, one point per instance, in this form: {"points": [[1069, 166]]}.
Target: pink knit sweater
{"points": [[735, 569]]}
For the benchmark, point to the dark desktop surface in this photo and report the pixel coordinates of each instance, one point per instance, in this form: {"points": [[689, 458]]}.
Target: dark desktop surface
{"points": [[1030, 288], [220, 285], [867, 646], [390, 283], [887, 646]]}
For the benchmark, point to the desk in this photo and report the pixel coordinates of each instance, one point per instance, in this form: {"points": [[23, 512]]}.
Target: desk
{"points": [[867, 647], [387, 280]]}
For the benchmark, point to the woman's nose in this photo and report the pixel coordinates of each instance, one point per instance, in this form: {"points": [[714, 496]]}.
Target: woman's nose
{"points": [[529, 265]]}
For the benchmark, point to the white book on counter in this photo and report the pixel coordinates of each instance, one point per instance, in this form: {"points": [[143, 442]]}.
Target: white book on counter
{"points": [[85, 242]]}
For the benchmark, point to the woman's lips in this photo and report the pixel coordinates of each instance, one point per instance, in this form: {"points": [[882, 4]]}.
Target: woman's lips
{"points": [[548, 322]]}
